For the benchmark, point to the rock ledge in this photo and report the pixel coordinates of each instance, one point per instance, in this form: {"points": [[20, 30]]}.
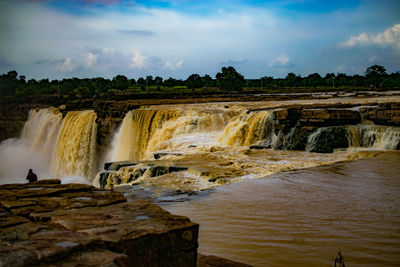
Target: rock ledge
{"points": [[46, 223]]}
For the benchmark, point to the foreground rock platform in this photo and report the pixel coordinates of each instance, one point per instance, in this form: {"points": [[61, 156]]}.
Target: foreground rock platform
{"points": [[50, 224], [47, 223]]}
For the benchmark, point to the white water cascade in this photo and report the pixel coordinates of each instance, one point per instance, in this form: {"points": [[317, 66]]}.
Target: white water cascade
{"points": [[362, 137], [373, 136], [33, 149], [52, 146]]}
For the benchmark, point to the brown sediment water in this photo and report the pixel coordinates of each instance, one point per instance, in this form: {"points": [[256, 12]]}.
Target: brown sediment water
{"points": [[75, 149], [305, 217]]}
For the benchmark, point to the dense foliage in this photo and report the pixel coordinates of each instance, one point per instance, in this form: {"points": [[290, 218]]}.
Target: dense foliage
{"points": [[228, 80]]}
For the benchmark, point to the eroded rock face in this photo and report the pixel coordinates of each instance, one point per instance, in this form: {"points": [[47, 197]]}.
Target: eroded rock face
{"points": [[384, 114], [326, 128], [46, 223]]}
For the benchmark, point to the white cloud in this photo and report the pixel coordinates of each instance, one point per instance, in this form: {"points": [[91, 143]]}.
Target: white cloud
{"points": [[67, 65], [139, 61], [354, 40], [91, 59], [390, 36], [108, 50], [281, 61], [171, 66]]}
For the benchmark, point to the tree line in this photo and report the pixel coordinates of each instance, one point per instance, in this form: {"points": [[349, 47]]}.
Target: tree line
{"points": [[228, 80]]}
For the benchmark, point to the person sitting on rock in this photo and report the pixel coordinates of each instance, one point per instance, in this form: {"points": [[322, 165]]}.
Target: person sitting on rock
{"points": [[31, 177]]}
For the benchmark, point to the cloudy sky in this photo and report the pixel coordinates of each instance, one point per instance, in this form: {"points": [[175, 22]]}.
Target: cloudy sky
{"points": [[175, 38]]}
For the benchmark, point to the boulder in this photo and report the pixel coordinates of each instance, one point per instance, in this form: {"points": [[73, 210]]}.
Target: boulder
{"points": [[325, 140]]}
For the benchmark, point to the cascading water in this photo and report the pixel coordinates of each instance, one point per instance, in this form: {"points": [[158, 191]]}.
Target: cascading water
{"points": [[123, 144], [33, 149], [373, 136], [355, 136], [248, 129], [52, 146], [148, 130], [207, 142], [213, 145], [41, 130], [137, 128], [76, 145]]}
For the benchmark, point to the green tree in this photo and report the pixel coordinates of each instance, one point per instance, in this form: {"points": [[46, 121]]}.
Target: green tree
{"points": [[194, 81], [170, 82], [375, 74], [158, 81], [266, 81], [314, 80], [342, 79], [229, 80], [120, 82], [292, 80], [132, 82], [101, 85], [208, 81], [142, 83], [149, 81], [9, 83]]}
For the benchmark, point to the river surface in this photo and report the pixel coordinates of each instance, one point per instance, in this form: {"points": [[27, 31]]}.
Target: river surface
{"points": [[305, 217]]}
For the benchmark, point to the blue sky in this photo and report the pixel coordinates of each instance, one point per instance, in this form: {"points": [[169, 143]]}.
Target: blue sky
{"points": [[175, 38]]}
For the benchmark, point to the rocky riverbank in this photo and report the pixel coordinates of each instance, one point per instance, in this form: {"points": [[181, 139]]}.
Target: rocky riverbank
{"points": [[47, 223]]}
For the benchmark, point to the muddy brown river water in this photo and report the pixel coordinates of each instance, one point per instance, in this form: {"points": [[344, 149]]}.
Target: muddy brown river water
{"points": [[305, 217]]}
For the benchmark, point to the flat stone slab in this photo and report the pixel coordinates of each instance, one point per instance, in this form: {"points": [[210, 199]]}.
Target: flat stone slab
{"points": [[46, 223]]}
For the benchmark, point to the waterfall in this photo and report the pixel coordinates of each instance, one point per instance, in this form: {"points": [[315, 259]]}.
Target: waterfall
{"points": [[130, 143], [33, 149], [249, 128], [75, 150], [373, 136], [191, 127], [356, 136], [122, 147], [41, 129], [148, 130]]}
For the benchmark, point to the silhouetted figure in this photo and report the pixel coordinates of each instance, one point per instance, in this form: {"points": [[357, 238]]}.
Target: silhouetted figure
{"points": [[31, 177], [339, 261]]}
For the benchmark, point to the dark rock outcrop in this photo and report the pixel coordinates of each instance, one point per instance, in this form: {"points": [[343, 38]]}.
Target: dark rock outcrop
{"points": [[324, 129], [294, 126], [329, 138]]}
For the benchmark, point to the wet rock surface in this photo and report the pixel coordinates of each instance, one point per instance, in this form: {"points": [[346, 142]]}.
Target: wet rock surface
{"points": [[47, 223], [115, 172]]}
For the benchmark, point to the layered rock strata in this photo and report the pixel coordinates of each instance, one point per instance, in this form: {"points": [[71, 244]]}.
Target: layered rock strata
{"points": [[46, 223]]}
